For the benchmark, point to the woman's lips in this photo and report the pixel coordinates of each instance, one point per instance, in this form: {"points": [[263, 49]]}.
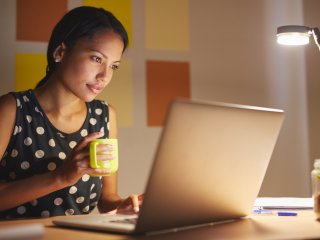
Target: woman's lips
{"points": [[94, 88]]}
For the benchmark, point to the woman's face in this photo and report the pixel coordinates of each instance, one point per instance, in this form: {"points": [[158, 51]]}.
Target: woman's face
{"points": [[87, 67]]}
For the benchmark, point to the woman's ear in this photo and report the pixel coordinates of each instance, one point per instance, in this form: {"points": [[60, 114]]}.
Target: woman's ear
{"points": [[59, 53]]}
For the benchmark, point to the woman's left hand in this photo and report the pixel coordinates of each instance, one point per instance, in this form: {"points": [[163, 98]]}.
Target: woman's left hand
{"points": [[131, 204]]}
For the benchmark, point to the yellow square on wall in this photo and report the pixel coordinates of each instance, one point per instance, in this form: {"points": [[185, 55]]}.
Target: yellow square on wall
{"points": [[119, 93], [30, 69], [120, 9], [167, 24]]}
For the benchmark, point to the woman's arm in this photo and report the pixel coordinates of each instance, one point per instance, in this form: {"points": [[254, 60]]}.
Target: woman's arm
{"points": [[8, 116], [14, 193], [110, 199]]}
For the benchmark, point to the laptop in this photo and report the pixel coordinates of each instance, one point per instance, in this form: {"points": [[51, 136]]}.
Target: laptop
{"points": [[209, 166]]}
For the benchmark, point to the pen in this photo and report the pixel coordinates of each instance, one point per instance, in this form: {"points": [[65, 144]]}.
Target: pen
{"points": [[287, 213]]}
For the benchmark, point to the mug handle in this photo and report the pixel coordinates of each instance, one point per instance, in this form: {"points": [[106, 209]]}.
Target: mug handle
{"points": [[93, 155]]}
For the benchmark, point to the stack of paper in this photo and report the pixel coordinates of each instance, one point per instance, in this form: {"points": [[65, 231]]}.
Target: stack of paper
{"points": [[32, 231], [284, 203]]}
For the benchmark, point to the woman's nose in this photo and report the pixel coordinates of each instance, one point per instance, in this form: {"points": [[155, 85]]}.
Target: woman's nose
{"points": [[103, 73]]}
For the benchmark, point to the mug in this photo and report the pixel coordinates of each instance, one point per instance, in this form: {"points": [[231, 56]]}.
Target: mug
{"points": [[111, 165]]}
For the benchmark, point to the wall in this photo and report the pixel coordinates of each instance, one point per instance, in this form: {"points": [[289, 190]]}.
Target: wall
{"points": [[233, 58], [312, 19]]}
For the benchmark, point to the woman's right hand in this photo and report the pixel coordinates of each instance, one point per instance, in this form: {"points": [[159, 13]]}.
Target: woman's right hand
{"points": [[78, 162]]}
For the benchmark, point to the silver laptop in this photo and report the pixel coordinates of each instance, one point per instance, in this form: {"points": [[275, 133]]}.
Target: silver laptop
{"points": [[209, 166]]}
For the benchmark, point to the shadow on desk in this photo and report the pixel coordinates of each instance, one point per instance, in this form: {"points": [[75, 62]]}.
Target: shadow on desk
{"points": [[304, 226], [239, 229]]}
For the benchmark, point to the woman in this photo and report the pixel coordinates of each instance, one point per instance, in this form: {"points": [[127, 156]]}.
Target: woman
{"points": [[44, 170]]}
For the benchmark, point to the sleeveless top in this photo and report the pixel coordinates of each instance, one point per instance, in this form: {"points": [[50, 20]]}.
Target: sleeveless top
{"points": [[36, 147]]}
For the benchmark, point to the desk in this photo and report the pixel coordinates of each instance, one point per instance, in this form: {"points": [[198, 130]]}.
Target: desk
{"points": [[303, 226]]}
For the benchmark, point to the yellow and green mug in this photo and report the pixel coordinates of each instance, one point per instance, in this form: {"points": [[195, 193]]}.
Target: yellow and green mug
{"points": [[111, 165]]}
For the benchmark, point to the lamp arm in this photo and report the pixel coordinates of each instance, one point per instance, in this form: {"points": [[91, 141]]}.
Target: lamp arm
{"points": [[316, 36]]}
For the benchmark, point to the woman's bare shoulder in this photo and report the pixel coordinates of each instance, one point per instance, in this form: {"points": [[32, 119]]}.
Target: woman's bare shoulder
{"points": [[112, 110], [8, 115], [113, 131], [7, 104], [7, 112]]}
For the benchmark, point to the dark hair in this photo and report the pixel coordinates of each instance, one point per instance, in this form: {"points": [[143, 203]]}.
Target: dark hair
{"points": [[79, 23]]}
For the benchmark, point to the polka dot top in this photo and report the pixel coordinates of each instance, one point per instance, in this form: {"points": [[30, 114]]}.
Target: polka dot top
{"points": [[36, 147]]}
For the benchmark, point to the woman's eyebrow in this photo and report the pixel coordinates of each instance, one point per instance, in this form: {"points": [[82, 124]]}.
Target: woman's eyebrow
{"points": [[95, 50]]}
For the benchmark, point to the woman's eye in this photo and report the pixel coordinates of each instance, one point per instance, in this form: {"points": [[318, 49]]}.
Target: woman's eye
{"points": [[114, 67], [97, 59]]}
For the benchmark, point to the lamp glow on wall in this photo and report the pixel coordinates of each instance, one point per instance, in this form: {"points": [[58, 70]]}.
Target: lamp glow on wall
{"points": [[297, 35]]}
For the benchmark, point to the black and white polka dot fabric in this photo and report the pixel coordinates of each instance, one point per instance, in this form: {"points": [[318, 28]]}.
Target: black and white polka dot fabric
{"points": [[36, 146]]}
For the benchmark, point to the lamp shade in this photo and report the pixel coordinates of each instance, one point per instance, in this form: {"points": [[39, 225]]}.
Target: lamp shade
{"points": [[293, 35]]}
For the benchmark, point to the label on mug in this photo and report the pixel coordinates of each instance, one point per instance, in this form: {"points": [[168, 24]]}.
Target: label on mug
{"points": [[111, 165]]}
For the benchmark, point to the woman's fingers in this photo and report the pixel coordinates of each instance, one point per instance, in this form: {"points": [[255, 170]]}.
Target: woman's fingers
{"points": [[98, 171], [78, 162], [131, 204], [140, 198], [135, 203], [85, 141]]}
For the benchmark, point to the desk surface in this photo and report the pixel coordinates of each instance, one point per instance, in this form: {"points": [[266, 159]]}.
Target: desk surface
{"points": [[303, 226]]}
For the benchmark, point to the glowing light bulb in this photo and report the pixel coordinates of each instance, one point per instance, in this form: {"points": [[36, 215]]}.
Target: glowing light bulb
{"points": [[293, 38]]}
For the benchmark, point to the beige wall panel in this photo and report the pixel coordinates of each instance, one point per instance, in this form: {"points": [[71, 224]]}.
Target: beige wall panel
{"points": [[167, 24]]}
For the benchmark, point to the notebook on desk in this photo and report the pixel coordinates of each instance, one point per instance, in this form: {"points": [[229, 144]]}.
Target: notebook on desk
{"points": [[209, 166]]}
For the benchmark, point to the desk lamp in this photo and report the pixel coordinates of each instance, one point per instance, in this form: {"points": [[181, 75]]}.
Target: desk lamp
{"points": [[297, 35]]}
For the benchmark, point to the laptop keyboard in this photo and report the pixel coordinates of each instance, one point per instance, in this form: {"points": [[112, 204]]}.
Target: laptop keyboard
{"points": [[126, 220]]}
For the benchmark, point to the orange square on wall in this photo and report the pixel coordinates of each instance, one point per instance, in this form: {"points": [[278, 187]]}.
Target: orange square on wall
{"points": [[165, 81], [36, 19]]}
